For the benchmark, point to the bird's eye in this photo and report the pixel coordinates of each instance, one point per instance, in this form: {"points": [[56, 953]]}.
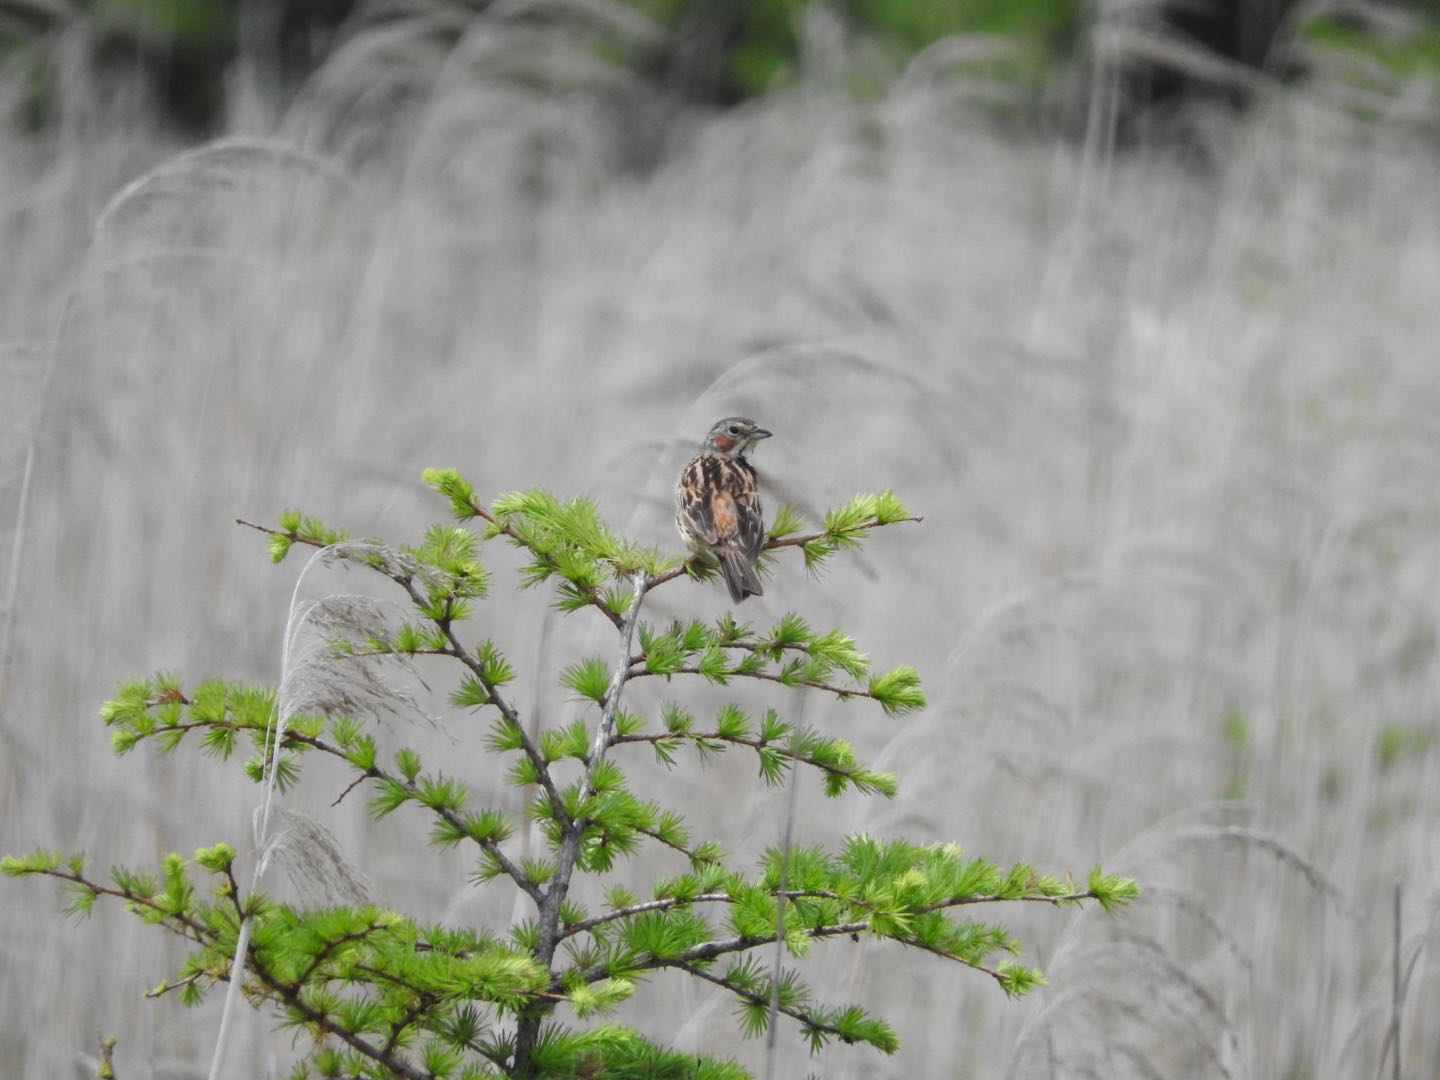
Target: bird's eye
{"points": [[732, 430]]}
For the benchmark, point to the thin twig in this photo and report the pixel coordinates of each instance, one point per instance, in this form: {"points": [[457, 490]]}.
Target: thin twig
{"points": [[166, 987], [350, 787], [842, 692], [632, 910], [477, 669], [177, 924], [755, 744], [713, 949], [669, 902], [771, 545], [757, 999], [596, 600], [681, 848]]}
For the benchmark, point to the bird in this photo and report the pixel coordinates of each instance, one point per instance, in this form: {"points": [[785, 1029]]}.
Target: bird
{"points": [[717, 504]]}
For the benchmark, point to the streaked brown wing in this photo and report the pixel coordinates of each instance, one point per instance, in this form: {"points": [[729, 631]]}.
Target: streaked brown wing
{"points": [[692, 504], [749, 528]]}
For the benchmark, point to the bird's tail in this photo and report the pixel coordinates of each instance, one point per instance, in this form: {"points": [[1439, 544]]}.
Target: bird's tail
{"points": [[739, 576]]}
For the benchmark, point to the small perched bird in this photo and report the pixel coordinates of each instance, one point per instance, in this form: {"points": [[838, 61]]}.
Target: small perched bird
{"points": [[717, 504]]}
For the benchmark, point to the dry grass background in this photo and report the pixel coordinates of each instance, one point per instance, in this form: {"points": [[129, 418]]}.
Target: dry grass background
{"points": [[1170, 413]]}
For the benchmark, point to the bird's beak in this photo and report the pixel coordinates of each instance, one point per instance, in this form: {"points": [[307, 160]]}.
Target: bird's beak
{"points": [[760, 433]]}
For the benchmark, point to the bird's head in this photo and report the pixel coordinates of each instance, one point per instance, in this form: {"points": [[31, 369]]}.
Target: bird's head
{"points": [[733, 437]]}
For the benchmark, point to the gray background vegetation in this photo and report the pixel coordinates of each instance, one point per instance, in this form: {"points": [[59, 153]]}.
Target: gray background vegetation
{"points": [[1163, 383]]}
